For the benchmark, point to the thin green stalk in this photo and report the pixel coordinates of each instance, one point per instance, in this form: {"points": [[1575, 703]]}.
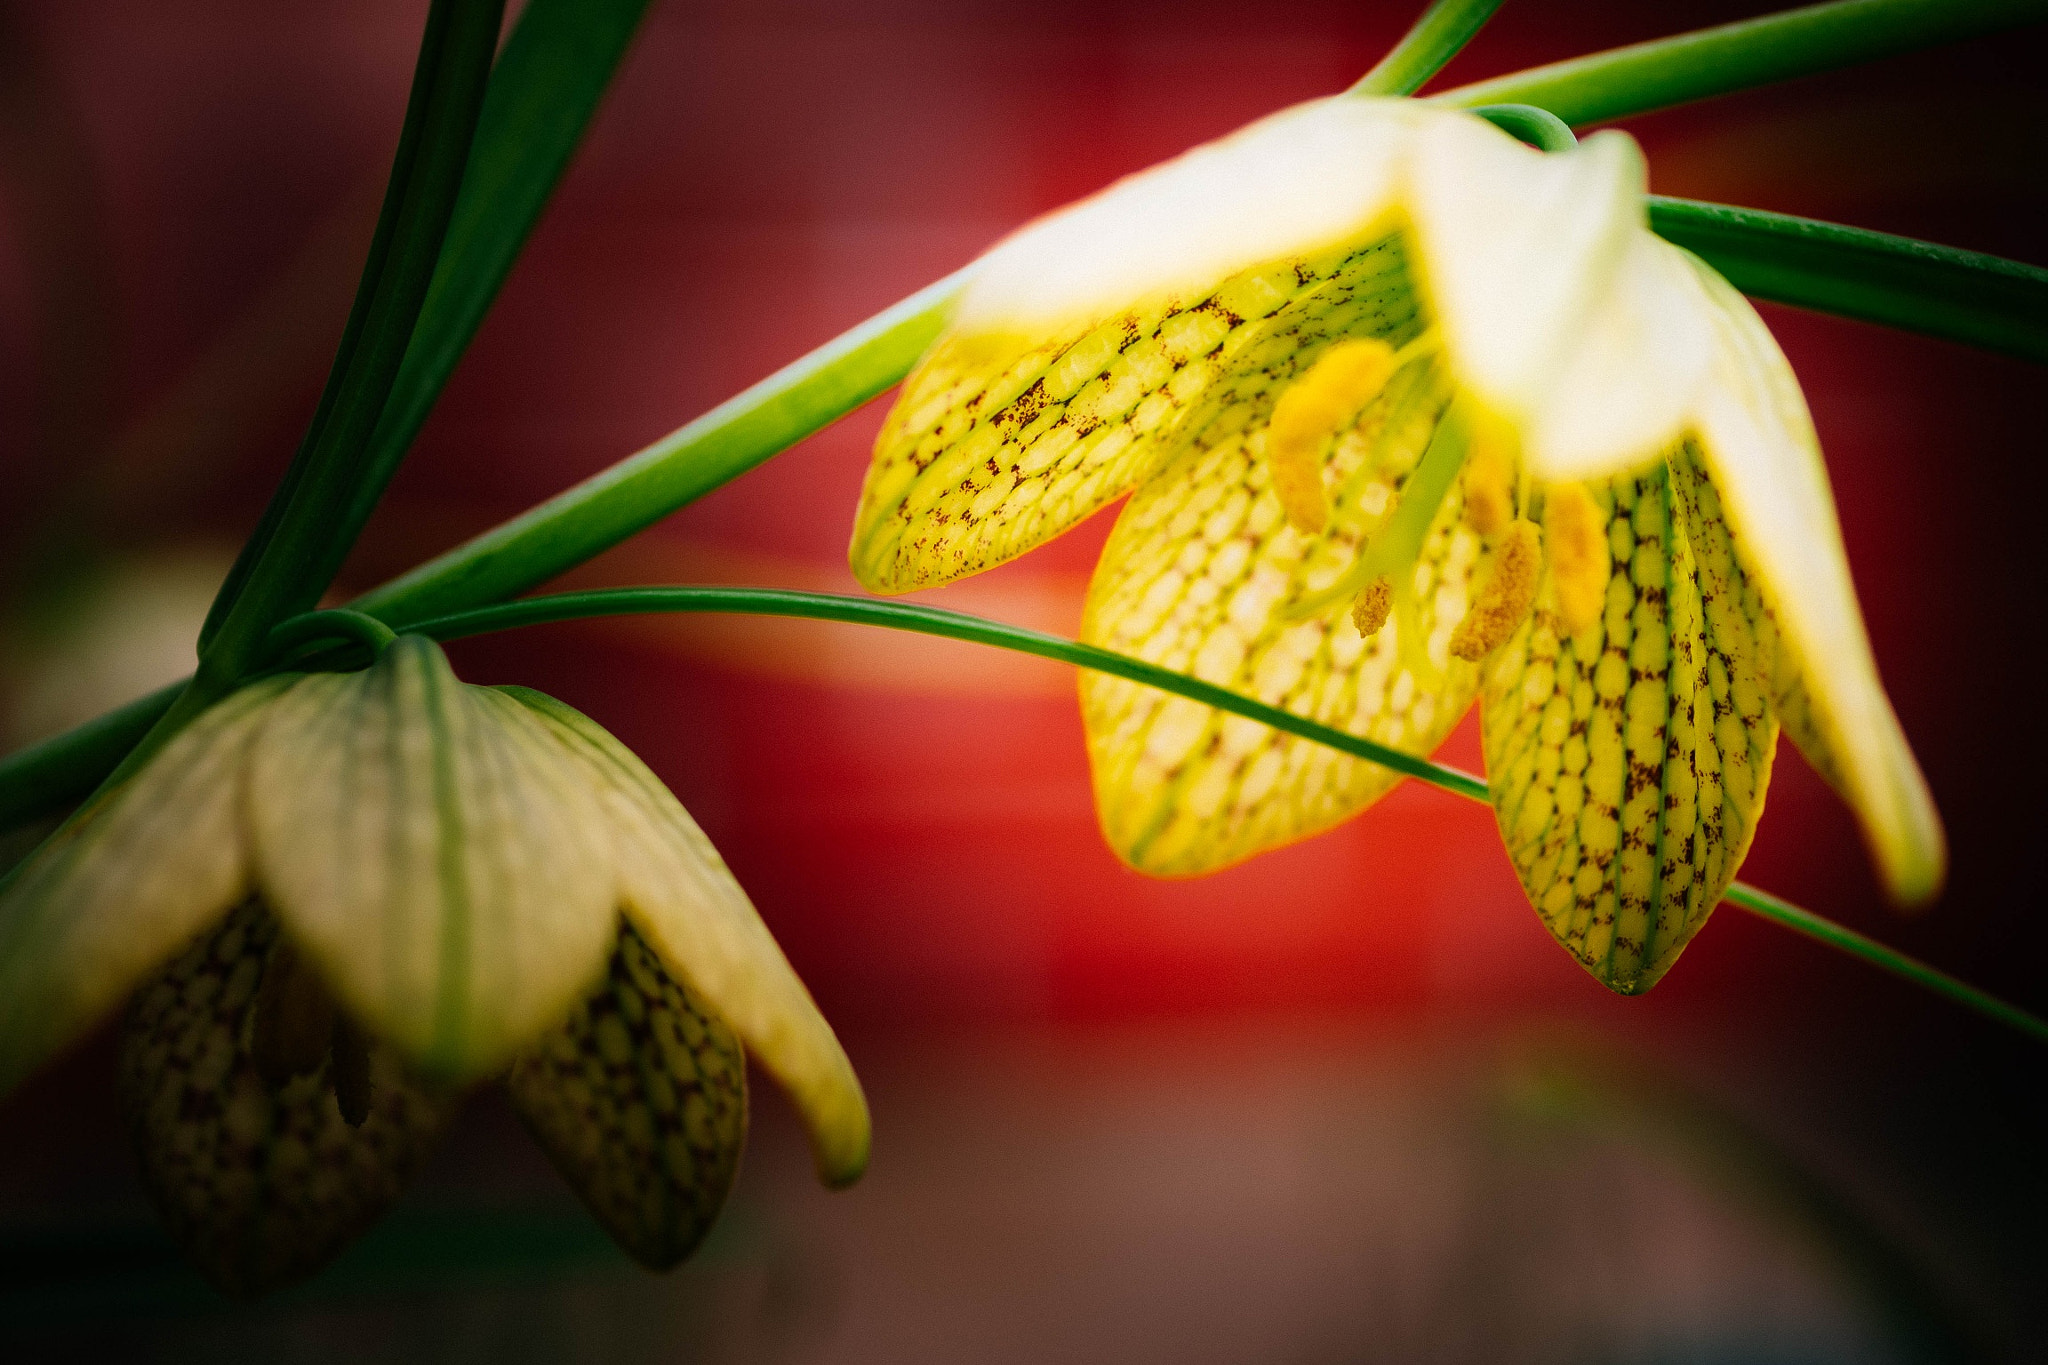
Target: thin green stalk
{"points": [[1717, 61], [1439, 35], [1782, 912], [1942, 291], [277, 575], [956, 626], [718, 447]]}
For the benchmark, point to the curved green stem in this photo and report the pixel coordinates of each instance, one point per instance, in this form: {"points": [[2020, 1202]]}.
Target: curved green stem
{"points": [[1944, 291], [956, 626], [338, 624], [1539, 128], [952, 625], [1439, 35], [1717, 61]]}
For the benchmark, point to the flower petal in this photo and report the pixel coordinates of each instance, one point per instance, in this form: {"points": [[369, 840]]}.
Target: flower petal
{"points": [[1197, 576], [1086, 337], [1628, 379], [676, 891], [261, 1184], [438, 854], [1627, 764], [124, 885], [1765, 461], [641, 1099], [1559, 311]]}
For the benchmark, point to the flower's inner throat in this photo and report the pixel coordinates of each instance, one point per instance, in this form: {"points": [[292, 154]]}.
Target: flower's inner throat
{"points": [[1326, 403], [295, 1028]]}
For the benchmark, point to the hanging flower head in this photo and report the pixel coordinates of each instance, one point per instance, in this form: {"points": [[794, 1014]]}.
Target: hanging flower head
{"points": [[1413, 414], [345, 896]]}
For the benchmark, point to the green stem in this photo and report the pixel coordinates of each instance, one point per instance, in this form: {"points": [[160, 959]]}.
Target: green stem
{"points": [[952, 625], [306, 632], [1626, 81], [1439, 35], [956, 626], [1766, 906], [681, 467], [1942, 291], [278, 573]]}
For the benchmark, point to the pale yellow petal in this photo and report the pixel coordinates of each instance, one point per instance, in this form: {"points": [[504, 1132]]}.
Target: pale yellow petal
{"points": [[125, 885], [1627, 764], [438, 853], [641, 1099], [260, 1182], [677, 892], [1629, 371], [1296, 183], [1515, 250], [1764, 459], [1196, 577]]}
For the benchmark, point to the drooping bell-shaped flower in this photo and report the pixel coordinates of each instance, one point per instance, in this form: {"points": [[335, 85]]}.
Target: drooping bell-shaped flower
{"points": [[339, 898], [1411, 414]]}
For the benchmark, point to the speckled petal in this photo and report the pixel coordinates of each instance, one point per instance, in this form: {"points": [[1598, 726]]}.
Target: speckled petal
{"points": [[1089, 339], [641, 1099], [676, 891], [1197, 577], [1628, 763], [261, 1184], [125, 885], [437, 852], [1760, 450]]}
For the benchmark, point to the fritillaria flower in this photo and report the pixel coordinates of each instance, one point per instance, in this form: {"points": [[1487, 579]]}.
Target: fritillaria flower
{"points": [[1411, 414], [336, 899]]}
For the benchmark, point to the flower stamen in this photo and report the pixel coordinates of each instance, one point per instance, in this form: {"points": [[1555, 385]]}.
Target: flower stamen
{"points": [[1506, 596], [1373, 607], [1312, 412], [1575, 532], [295, 1029], [1489, 482]]}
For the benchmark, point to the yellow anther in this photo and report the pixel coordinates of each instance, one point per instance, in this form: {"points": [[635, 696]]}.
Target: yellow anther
{"points": [[1505, 597], [1575, 531], [1370, 612], [1490, 479], [1315, 408]]}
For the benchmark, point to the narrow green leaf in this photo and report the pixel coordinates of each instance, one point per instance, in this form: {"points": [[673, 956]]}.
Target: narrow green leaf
{"points": [[275, 575], [1625, 81], [1943, 291], [548, 80]]}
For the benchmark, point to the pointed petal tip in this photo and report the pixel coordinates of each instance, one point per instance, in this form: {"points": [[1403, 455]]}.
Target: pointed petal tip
{"points": [[1904, 833], [840, 1144]]}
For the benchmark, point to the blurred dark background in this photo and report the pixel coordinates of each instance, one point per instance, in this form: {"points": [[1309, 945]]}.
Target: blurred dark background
{"points": [[1345, 1103]]}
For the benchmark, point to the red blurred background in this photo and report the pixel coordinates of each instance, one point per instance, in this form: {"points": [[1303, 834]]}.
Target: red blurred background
{"points": [[1117, 1118]]}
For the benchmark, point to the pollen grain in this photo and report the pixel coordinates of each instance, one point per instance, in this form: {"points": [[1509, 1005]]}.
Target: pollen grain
{"points": [[1374, 605]]}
